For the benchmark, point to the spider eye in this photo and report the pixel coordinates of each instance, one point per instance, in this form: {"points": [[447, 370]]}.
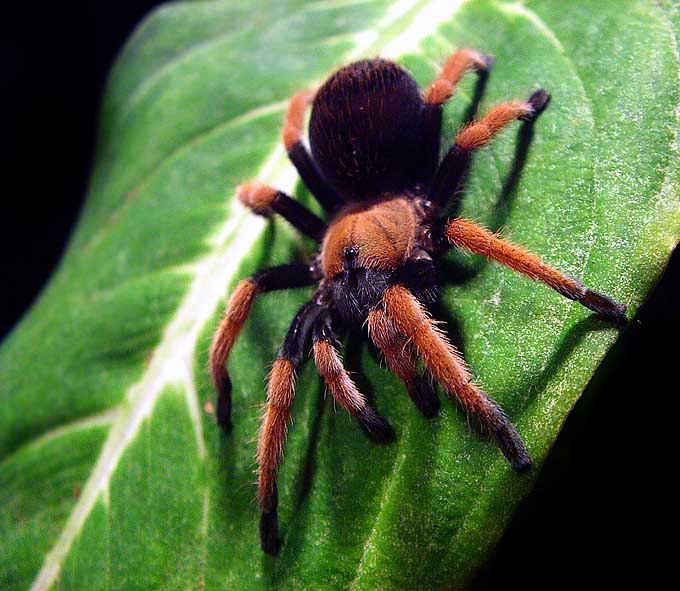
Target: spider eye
{"points": [[349, 256]]}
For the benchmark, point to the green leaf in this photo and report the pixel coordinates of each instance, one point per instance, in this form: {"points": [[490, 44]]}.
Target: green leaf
{"points": [[112, 471]]}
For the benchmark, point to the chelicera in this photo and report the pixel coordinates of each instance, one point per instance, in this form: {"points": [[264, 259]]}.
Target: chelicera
{"points": [[375, 168]]}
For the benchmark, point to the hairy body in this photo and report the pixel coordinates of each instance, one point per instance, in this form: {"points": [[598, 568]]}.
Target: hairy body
{"points": [[375, 169], [378, 235]]}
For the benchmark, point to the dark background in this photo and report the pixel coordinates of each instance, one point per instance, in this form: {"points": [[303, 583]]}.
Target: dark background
{"points": [[593, 516]]}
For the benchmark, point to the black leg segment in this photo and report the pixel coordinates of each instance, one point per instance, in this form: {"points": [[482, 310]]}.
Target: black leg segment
{"points": [[283, 277], [431, 130], [269, 524], [264, 200], [425, 398], [311, 177], [299, 216]]}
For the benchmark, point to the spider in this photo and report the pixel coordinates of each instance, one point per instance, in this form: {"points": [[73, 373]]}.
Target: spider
{"points": [[375, 169]]}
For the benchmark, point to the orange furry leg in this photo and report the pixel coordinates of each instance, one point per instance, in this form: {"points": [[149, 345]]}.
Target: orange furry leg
{"points": [[399, 356], [475, 238], [237, 310], [460, 62], [449, 369], [280, 394], [480, 131], [344, 390], [295, 118]]}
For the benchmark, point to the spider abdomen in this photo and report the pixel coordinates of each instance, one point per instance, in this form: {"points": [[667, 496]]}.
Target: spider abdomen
{"points": [[365, 131]]}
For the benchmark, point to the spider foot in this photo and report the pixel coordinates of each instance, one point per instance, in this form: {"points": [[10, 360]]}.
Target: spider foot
{"points": [[224, 408], [605, 306], [269, 532], [487, 62], [512, 447], [378, 429], [538, 101], [425, 398]]}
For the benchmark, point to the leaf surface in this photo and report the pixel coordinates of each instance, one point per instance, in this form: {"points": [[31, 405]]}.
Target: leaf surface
{"points": [[113, 474]]}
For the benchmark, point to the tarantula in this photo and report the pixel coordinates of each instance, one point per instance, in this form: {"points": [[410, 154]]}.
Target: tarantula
{"points": [[375, 169]]}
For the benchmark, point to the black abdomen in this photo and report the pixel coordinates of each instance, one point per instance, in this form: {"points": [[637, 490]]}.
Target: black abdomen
{"points": [[365, 129]]}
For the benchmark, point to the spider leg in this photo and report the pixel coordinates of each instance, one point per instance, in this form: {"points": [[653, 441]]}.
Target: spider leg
{"points": [[237, 310], [441, 90], [264, 200], [459, 62], [449, 369], [280, 394], [466, 234], [300, 156], [399, 357], [475, 135], [342, 387]]}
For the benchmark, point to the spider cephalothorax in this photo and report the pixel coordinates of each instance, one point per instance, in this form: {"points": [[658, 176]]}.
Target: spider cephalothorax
{"points": [[376, 171]]}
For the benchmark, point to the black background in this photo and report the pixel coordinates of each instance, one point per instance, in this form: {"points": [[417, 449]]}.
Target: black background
{"points": [[593, 516]]}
